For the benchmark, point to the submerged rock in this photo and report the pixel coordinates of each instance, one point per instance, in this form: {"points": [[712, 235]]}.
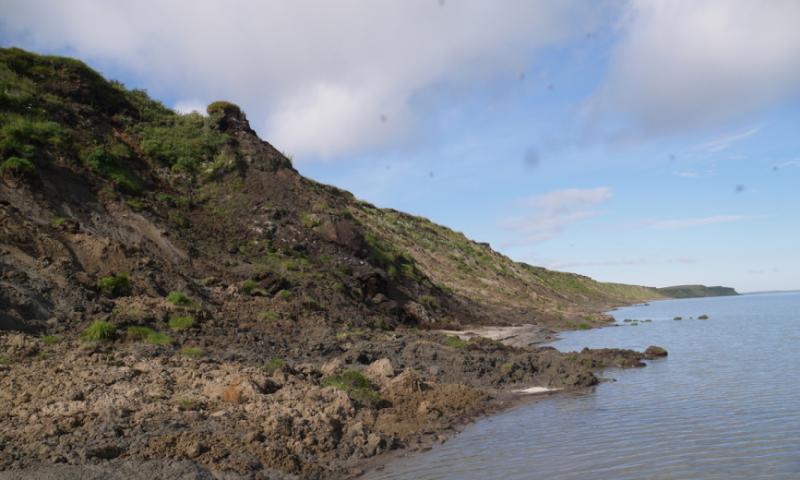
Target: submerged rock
{"points": [[654, 351]]}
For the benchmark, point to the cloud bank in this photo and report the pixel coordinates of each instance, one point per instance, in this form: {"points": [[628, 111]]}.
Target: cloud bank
{"points": [[686, 64], [316, 78]]}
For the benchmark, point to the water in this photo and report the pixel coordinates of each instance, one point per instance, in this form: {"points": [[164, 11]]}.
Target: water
{"points": [[725, 404]]}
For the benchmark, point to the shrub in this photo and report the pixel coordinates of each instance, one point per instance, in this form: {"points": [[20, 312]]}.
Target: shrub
{"points": [[112, 166], [273, 365], [25, 138], [99, 331], [192, 352], [584, 326], [455, 342], [157, 338], [179, 299], [356, 385], [115, 286], [181, 323], [221, 108], [182, 142], [17, 166], [248, 286]]}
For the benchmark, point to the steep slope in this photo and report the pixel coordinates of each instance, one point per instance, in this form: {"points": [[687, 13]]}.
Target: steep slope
{"points": [[508, 291], [176, 299]]}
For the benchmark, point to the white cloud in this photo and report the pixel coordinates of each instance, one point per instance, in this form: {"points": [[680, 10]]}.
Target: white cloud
{"points": [[673, 224], [189, 106], [684, 64], [316, 78], [724, 142], [551, 213]]}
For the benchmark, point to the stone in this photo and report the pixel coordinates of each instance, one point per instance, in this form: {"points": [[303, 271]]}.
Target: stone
{"points": [[654, 351]]}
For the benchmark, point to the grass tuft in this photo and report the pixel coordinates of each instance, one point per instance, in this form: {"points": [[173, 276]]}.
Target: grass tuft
{"points": [[180, 323], [357, 387], [179, 299], [100, 331], [115, 285], [158, 338], [192, 352]]}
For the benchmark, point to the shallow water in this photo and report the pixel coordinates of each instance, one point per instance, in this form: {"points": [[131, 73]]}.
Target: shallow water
{"points": [[725, 404]]}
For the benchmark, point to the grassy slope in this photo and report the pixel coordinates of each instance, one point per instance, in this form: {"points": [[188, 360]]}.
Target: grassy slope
{"points": [[475, 271]]}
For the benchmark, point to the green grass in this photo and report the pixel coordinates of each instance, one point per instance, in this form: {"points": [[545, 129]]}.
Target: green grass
{"points": [[158, 338], [139, 332], [268, 316], [179, 299], [50, 339], [310, 220], [507, 367], [274, 364], [100, 331], [249, 285], [17, 166], [112, 163], [285, 294], [185, 403], [180, 323], [192, 352], [115, 286], [455, 342], [356, 385], [584, 326]]}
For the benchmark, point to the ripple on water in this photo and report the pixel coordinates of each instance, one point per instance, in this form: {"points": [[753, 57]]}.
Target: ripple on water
{"points": [[725, 404]]}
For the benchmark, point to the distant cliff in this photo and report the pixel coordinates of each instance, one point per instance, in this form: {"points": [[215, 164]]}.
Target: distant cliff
{"points": [[692, 291]]}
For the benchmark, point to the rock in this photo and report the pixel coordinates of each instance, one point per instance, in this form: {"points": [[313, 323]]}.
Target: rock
{"points": [[331, 366], [380, 371], [194, 449], [654, 351]]}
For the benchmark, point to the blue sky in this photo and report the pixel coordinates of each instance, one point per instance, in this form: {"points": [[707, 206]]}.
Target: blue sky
{"points": [[650, 142]]}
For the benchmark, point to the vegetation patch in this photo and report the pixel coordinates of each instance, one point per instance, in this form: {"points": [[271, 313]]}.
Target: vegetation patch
{"points": [[180, 323], [192, 352], [114, 286], [274, 364], [248, 286], [17, 166], [180, 299], [357, 387], [50, 339], [137, 332], [455, 342], [100, 331], [268, 316], [157, 338]]}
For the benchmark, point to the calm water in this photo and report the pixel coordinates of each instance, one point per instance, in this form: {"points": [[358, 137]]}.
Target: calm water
{"points": [[725, 404]]}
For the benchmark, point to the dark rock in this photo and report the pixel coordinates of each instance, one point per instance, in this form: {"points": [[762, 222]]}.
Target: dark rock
{"points": [[654, 352]]}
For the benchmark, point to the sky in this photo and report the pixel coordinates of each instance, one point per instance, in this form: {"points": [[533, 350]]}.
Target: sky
{"points": [[652, 142]]}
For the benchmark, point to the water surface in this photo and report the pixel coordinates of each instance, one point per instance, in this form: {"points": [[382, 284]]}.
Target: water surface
{"points": [[725, 404]]}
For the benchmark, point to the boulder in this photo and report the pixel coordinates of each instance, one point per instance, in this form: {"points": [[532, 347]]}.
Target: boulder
{"points": [[654, 351]]}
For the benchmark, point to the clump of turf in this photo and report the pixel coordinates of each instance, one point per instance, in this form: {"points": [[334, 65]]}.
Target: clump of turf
{"points": [[357, 387], [100, 331], [180, 323], [179, 299], [192, 352], [455, 342], [273, 365], [114, 286], [158, 338]]}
